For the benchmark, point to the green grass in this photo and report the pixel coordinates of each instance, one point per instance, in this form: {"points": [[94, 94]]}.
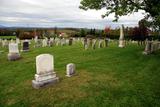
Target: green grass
{"points": [[7, 37], [107, 77]]}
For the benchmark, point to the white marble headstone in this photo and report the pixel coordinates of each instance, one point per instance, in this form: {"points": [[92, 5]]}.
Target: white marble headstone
{"points": [[45, 74], [121, 38], [44, 43], [13, 48], [44, 64], [70, 70]]}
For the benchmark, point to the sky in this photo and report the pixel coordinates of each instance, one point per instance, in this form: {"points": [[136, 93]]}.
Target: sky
{"points": [[59, 13]]}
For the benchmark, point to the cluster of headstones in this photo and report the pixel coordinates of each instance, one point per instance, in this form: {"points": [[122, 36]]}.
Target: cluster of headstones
{"points": [[151, 47], [52, 42], [91, 43], [45, 74], [5, 42]]}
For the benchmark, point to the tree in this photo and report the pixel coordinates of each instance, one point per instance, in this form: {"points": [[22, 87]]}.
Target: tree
{"points": [[124, 7], [107, 31], [82, 33]]}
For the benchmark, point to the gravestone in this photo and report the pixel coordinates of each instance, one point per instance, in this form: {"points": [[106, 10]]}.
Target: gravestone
{"points": [[36, 39], [70, 41], [70, 70], [63, 41], [90, 42], [25, 46], [44, 42], [94, 44], [147, 48], [121, 38], [11, 41], [45, 74], [17, 40], [13, 52], [4, 43], [51, 42], [100, 45], [85, 43], [106, 42]]}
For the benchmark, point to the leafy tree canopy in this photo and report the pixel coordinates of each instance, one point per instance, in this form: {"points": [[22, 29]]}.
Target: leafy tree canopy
{"points": [[125, 7]]}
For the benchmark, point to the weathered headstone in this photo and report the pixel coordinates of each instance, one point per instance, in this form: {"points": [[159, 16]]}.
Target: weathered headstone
{"points": [[4, 43], [121, 38], [17, 40], [85, 43], [106, 42], [63, 41], [13, 52], [12, 41], [147, 48], [25, 46], [94, 44], [70, 70], [36, 39], [100, 45], [45, 74], [44, 42], [70, 41]]}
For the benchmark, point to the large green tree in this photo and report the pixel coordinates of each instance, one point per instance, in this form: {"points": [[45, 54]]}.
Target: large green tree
{"points": [[125, 7]]}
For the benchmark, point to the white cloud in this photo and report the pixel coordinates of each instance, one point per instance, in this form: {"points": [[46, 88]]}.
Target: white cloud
{"points": [[61, 13]]}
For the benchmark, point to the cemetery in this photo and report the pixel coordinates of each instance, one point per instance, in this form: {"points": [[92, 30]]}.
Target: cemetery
{"points": [[84, 61], [66, 75]]}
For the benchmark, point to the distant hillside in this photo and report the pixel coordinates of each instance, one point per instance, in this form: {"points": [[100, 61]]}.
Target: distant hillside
{"points": [[1, 26]]}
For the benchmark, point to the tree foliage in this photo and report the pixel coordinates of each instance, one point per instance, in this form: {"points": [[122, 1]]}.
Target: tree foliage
{"points": [[125, 7]]}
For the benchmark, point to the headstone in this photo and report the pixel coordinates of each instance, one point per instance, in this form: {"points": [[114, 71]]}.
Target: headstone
{"points": [[17, 40], [90, 42], [106, 42], [100, 45], [85, 43], [45, 74], [13, 52], [25, 46], [63, 41], [12, 41], [70, 70], [44, 42], [147, 48], [36, 39], [94, 44], [70, 41], [4, 43], [121, 39]]}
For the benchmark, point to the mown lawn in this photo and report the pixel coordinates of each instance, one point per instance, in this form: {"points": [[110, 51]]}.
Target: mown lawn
{"points": [[106, 77], [7, 37]]}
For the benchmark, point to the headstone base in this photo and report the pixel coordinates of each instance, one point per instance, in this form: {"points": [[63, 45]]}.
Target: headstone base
{"points": [[13, 56], [70, 75], [121, 44], [44, 81], [146, 53], [24, 50]]}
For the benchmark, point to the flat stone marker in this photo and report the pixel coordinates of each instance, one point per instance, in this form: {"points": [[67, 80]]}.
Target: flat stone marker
{"points": [[70, 70], [45, 74], [13, 52]]}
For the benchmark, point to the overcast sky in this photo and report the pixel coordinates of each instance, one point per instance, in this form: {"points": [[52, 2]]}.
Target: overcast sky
{"points": [[60, 13]]}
